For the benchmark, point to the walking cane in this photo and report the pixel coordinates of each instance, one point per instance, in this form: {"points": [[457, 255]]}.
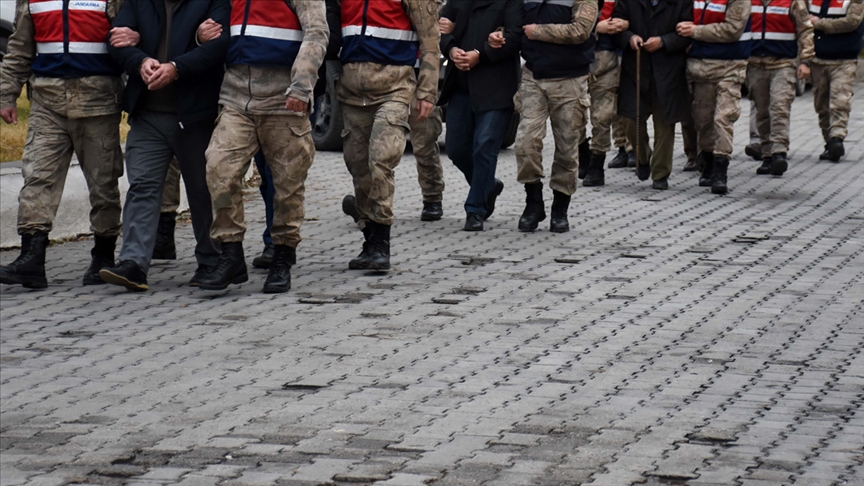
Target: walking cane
{"points": [[638, 106]]}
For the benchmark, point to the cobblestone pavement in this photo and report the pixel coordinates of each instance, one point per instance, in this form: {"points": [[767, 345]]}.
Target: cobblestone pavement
{"points": [[670, 338]]}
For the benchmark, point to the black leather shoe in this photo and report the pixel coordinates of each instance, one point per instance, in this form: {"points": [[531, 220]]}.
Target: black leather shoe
{"points": [[765, 168], [349, 207], [165, 249], [718, 176], [497, 189], [584, 158], [558, 222], [361, 262], [200, 274], [825, 155], [265, 258], [631, 159], [691, 166], [835, 149], [101, 256], [473, 222], [432, 211], [231, 268], [779, 164], [127, 274], [643, 172], [596, 175], [379, 246], [279, 277], [706, 164], [660, 184], [29, 268], [754, 151], [535, 211], [620, 160]]}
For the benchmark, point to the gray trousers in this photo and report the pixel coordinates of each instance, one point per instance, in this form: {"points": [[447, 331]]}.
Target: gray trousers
{"points": [[154, 139]]}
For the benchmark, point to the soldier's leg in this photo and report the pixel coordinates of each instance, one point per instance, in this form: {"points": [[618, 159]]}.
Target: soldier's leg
{"points": [[821, 79], [47, 154], [534, 111], [389, 129], [619, 133], [782, 95], [568, 107], [171, 188], [424, 144], [229, 155], [759, 86], [356, 138], [603, 90], [704, 103], [842, 83], [727, 111]]}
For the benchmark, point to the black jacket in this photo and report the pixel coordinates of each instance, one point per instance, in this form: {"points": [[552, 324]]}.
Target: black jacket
{"points": [[495, 80], [200, 68], [664, 70]]}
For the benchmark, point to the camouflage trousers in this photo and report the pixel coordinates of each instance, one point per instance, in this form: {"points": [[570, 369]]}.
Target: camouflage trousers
{"points": [[171, 189], [773, 91], [603, 88], [619, 133], [51, 140], [716, 90], [286, 141], [373, 143], [564, 102], [832, 95], [424, 144]]}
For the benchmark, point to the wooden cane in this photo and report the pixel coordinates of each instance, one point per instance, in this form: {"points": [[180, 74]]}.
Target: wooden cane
{"points": [[638, 106]]}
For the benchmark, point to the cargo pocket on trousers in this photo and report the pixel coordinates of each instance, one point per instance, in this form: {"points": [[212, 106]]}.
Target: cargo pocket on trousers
{"points": [[399, 121], [301, 130]]}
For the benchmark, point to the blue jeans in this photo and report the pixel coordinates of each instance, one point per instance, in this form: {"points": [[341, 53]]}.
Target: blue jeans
{"points": [[473, 142], [267, 193]]}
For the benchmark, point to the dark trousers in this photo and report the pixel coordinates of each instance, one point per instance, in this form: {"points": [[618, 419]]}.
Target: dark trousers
{"points": [[268, 191], [473, 142], [153, 140]]}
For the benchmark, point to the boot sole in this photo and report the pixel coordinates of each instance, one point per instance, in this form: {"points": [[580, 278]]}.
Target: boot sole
{"points": [[779, 168], [276, 289], [559, 230], [719, 190], [114, 279], [262, 265], [26, 282], [426, 217], [236, 280], [358, 266], [379, 267], [587, 183]]}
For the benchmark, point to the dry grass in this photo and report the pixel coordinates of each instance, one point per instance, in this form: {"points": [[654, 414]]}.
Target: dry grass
{"points": [[12, 137]]}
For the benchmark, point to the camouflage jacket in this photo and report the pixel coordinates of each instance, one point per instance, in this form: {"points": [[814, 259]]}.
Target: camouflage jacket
{"points": [[804, 34], [261, 90], [577, 31], [367, 83], [737, 15], [72, 98], [854, 17]]}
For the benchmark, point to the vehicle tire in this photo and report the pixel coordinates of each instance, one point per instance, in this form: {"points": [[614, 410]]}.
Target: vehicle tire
{"points": [[510, 134], [327, 123]]}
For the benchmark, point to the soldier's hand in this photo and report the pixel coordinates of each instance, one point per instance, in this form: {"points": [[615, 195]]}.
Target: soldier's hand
{"points": [[803, 71], [293, 104], [813, 19], [9, 115], [636, 42], [147, 69], [653, 44], [208, 30], [124, 37], [686, 29], [424, 109], [529, 30], [496, 40], [165, 75], [445, 26]]}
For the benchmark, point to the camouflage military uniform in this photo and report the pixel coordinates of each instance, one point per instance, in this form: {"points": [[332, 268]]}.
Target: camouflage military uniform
{"points": [[562, 101], [253, 116], [619, 132], [716, 84], [771, 83], [375, 110], [833, 80], [603, 87], [171, 189], [80, 115], [424, 143]]}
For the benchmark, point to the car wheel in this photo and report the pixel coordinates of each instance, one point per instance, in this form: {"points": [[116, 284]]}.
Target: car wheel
{"points": [[327, 121]]}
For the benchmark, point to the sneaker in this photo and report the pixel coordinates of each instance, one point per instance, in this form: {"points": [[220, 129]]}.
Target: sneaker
{"points": [[127, 274]]}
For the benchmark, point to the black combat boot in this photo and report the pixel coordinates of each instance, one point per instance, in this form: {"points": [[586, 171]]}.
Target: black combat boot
{"points": [[279, 277], [631, 159], [754, 150], [379, 246], [706, 162], [265, 258], [165, 249], [765, 168], [231, 268], [101, 256], [584, 158], [535, 212], [596, 176], [718, 175], [361, 262], [620, 160], [779, 164], [432, 211], [29, 268], [349, 207], [835, 149], [560, 205]]}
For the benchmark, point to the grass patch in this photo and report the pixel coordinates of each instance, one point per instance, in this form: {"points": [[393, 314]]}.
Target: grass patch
{"points": [[12, 137]]}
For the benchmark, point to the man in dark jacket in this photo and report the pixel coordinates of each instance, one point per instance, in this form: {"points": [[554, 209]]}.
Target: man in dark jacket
{"points": [[479, 86], [172, 99], [664, 79]]}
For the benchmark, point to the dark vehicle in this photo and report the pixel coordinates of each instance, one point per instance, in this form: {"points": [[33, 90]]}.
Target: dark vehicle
{"points": [[327, 117], [5, 32]]}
